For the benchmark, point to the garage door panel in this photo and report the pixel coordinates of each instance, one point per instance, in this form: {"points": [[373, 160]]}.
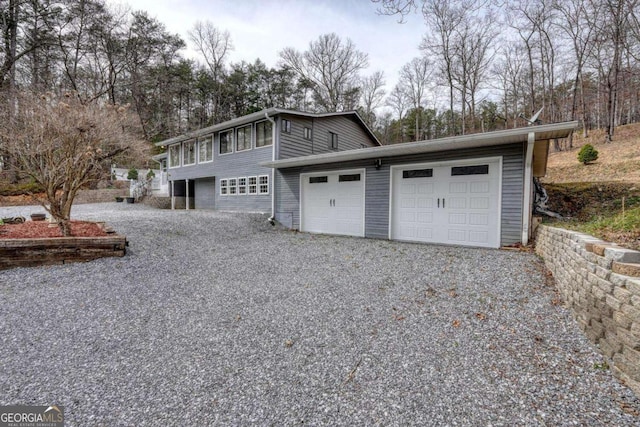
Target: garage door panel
{"points": [[457, 218], [457, 235], [468, 209], [333, 203], [457, 187], [479, 187], [407, 203], [479, 203], [425, 233], [426, 188], [425, 203], [408, 189], [425, 217], [478, 219], [456, 203], [479, 237]]}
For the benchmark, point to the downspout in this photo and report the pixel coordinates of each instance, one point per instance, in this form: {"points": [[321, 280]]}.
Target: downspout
{"points": [[272, 218], [528, 182]]}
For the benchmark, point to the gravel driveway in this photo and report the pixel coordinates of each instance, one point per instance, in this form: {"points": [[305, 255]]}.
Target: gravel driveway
{"points": [[220, 319]]}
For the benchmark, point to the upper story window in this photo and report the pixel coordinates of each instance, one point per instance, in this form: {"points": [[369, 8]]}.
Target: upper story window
{"points": [[188, 153], [333, 141], [226, 142], [264, 134], [243, 138], [174, 156], [205, 153], [286, 126], [308, 133]]}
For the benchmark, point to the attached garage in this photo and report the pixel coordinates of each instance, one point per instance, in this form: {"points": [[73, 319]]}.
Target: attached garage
{"points": [[333, 202], [451, 203], [470, 190]]}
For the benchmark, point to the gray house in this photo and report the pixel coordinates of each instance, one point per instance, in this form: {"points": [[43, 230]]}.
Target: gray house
{"points": [[221, 166], [473, 190]]}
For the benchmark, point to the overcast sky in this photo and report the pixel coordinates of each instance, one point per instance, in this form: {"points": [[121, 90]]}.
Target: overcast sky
{"points": [[262, 28]]}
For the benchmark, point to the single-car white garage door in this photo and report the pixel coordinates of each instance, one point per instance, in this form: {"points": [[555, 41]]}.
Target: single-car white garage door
{"points": [[452, 203], [333, 202]]}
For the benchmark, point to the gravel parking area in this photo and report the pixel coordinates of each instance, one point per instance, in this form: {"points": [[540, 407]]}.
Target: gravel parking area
{"points": [[220, 319]]}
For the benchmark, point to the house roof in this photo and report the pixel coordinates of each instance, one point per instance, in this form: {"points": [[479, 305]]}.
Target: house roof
{"points": [[262, 115], [487, 139]]}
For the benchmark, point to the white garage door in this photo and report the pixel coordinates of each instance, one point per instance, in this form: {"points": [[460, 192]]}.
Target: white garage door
{"points": [[452, 203], [333, 202]]}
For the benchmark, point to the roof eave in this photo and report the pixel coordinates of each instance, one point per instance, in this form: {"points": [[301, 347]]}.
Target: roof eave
{"points": [[509, 136]]}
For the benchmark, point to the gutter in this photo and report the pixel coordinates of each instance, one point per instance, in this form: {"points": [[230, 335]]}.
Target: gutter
{"points": [[272, 218], [528, 181]]}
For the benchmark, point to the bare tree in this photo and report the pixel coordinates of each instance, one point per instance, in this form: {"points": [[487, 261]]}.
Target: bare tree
{"points": [[415, 77], [371, 95], [214, 45], [332, 66], [398, 100], [63, 145], [575, 23]]}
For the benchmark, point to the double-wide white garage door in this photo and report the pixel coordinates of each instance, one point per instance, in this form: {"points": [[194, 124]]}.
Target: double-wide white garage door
{"points": [[452, 203]]}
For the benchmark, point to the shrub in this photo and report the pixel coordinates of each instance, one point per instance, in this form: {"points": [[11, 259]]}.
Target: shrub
{"points": [[132, 174], [587, 154], [151, 174]]}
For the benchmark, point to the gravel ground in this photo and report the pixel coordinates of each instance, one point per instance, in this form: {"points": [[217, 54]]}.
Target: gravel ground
{"points": [[220, 319]]}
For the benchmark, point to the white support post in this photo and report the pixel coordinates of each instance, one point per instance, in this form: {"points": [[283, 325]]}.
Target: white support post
{"points": [[187, 193], [173, 195], [528, 188]]}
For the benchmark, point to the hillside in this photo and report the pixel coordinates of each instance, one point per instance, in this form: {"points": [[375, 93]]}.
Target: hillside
{"points": [[603, 198], [617, 161]]}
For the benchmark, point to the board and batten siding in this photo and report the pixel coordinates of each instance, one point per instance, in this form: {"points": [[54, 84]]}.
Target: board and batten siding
{"points": [[351, 135], [377, 188]]}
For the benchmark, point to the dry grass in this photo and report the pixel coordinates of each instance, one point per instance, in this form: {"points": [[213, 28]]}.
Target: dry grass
{"points": [[617, 161]]}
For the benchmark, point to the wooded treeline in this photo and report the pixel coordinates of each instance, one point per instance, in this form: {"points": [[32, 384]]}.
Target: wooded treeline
{"points": [[484, 64]]}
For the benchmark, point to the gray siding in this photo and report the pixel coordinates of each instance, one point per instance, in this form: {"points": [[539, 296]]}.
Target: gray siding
{"points": [[351, 136], [377, 191], [232, 165], [243, 164], [205, 193]]}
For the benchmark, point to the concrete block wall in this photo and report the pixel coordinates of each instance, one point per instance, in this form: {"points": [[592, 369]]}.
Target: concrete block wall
{"points": [[600, 283]]}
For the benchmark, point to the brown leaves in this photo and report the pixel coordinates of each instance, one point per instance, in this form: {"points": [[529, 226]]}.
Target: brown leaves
{"points": [[456, 323], [481, 316]]}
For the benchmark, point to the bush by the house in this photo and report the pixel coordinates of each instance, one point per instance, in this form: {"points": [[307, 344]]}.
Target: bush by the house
{"points": [[132, 174], [587, 154]]}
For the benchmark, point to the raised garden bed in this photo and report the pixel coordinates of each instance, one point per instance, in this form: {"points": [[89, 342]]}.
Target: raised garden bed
{"points": [[36, 243]]}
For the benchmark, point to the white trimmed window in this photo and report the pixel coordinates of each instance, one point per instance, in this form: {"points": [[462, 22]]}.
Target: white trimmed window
{"points": [[174, 156], [226, 142], [263, 184], [243, 138], [233, 186], [308, 133], [264, 134], [224, 187], [242, 186], [333, 141], [205, 146], [286, 126], [188, 153], [253, 184]]}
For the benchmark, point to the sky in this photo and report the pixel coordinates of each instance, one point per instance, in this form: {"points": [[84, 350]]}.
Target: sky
{"points": [[262, 28]]}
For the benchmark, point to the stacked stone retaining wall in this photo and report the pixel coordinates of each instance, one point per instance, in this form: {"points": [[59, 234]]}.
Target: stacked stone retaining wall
{"points": [[600, 283]]}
